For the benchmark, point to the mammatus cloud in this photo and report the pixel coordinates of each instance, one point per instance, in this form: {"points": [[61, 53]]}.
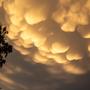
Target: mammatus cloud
{"points": [[50, 30]]}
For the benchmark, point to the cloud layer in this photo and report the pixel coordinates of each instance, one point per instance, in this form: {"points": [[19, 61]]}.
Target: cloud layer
{"points": [[50, 30]]}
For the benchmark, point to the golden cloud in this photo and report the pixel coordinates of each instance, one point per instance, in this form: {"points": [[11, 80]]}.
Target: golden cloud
{"points": [[58, 30]]}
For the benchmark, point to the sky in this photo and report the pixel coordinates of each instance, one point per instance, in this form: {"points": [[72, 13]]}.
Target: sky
{"points": [[51, 44]]}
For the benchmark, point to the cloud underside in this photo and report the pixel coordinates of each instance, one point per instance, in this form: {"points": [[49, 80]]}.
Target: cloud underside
{"points": [[56, 31]]}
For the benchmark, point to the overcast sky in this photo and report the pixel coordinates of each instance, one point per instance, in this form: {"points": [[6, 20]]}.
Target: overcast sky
{"points": [[49, 52]]}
